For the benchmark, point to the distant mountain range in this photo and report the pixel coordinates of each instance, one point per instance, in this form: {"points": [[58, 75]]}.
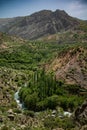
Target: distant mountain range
{"points": [[39, 24]]}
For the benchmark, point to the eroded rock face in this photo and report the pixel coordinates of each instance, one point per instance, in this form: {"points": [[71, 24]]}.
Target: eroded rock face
{"points": [[38, 24], [71, 67], [81, 114]]}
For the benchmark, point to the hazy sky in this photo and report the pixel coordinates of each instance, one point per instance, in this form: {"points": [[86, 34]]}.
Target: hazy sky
{"points": [[13, 8]]}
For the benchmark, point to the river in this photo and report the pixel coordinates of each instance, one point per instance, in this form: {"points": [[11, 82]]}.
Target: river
{"points": [[17, 99]]}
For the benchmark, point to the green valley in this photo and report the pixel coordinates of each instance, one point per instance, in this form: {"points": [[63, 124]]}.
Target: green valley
{"points": [[50, 75]]}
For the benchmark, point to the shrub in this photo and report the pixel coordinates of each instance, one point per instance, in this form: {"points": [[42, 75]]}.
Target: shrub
{"points": [[13, 104], [52, 101], [5, 128], [50, 123], [16, 110], [42, 105], [30, 101], [49, 102], [29, 113]]}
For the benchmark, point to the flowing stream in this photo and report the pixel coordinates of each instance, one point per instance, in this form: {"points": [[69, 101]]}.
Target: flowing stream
{"points": [[17, 99]]}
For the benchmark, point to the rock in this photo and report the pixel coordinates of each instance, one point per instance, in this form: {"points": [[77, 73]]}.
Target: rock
{"points": [[54, 112], [53, 115], [1, 119], [23, 126], [84, 127], [11, 117], [13, 128], [14, 88], [68, 114], [58, 129], [80, 114], [10, 111]]}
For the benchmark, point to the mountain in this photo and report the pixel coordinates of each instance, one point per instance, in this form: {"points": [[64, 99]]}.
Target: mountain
{"points": [[39, 24], [51, 78]]}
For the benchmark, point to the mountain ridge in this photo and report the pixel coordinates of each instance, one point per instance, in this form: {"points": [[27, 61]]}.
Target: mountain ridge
{"points": [[38, 24]]}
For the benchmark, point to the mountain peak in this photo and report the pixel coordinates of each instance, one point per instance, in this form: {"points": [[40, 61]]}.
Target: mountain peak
{"points": [[58, 10], [44, 11], [62, 12]]}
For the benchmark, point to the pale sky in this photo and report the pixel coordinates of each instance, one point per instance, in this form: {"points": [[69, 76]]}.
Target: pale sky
{"points": [[14, 8]]}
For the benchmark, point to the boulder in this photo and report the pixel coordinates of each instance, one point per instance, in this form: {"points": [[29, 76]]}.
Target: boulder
{"points": [[10, 111], [11, 117]]}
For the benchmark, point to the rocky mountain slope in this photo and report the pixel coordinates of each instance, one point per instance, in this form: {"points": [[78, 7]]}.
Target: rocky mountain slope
{"points": [[71, 66], [39, 24]]}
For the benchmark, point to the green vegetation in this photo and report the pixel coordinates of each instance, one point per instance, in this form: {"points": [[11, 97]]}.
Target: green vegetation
{"points": [[44, 91], [21, 64], [29, 113], [51, 123], [24, 55], [83, 26]]}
